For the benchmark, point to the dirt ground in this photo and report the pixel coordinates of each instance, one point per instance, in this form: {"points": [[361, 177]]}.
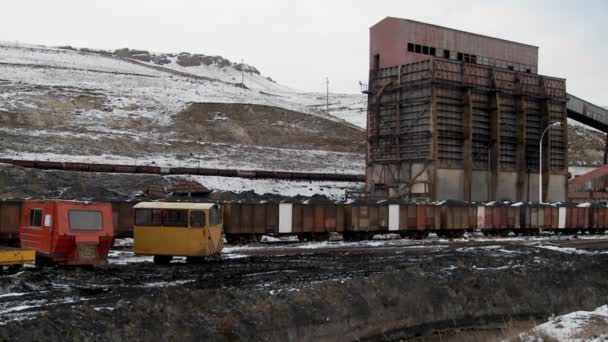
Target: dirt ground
{"points": [[370, 292]]}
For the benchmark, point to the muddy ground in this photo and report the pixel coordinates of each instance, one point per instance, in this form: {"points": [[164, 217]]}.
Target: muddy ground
{"points": [[330, 292]]}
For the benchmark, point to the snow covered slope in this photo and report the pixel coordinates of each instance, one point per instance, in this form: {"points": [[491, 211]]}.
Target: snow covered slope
{"points": [[75, 104]]}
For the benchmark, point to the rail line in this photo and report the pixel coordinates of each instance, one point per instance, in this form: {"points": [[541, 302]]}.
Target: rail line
{"points": [[158, 170]]}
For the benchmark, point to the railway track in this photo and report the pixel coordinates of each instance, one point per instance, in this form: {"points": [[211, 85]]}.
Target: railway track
{"points": [[281, 248], [158, 170]]}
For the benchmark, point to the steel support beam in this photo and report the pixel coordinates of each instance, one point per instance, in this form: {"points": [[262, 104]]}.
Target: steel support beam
{"points": [[467, 122], [520, 148], [494, 155], [544, 123], [435, 141], [606, 150]]}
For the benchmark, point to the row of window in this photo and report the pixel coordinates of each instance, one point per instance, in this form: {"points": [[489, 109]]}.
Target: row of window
{"points": [[176, 217], [77, 219], [468, 58]]}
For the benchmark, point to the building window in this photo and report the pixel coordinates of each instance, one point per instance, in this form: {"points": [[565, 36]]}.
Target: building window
{"points": [[376, 61], [510, 67], [433, 51], [528, 71], [460, 56], [446, 54], [418, 48], [425, 50], [410, 47]]}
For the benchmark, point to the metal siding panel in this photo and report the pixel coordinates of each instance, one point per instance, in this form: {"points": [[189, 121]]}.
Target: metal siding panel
{"points": [[374, 219], [247, 225], [481, 216], [259, 218], [272, 218], [307, 219], [297, 224], [422, 217], [383, 217], [562, 218], [285, 218], [541, 217], [330, 217], [403, 217], [393, 217], [413, 221], [340, 218], [319, 218]]}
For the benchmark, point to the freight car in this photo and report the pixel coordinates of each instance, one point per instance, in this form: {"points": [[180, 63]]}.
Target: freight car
{"points": [[361, 219], [316, 219]]}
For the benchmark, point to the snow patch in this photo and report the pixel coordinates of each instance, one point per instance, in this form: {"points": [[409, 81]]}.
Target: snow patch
{"points": [[573, 326]]}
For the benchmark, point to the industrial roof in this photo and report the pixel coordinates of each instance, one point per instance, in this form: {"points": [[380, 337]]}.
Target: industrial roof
{"points": [[456, 30], [173, 205]]}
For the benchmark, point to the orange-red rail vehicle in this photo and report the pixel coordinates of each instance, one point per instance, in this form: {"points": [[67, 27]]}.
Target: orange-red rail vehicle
{"points": [[67, 231]]}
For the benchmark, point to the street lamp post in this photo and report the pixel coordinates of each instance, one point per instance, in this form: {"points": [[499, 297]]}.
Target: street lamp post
{"points": [[540, 161]]}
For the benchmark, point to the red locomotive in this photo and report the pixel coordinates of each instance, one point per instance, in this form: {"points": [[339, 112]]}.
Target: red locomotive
{"points": [[67, 231]]}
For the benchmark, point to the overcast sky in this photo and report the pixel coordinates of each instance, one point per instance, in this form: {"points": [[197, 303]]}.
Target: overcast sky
{"points": [[299, 43]]}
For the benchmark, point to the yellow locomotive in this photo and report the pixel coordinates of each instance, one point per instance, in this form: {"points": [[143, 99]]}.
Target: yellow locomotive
{"points": [[167, 229]]}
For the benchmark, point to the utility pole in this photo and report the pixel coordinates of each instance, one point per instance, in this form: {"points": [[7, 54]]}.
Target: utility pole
{"points": [[327, 94], [198, 145], [243, 73]]}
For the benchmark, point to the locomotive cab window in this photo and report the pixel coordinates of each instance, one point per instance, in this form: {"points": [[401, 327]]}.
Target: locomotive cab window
{"points": [[148, 217], [85, 220], [175, 218], [197, 219], [215, 215], [36, 217]]}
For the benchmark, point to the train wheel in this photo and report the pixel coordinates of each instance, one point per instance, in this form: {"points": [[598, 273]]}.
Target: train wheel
{"points": [[254, 238], [162, 259], [530, 231], [419, 234], [195, 260], [304, 237], [320, 236], [351, 236], [10, 269], [357, 236]]}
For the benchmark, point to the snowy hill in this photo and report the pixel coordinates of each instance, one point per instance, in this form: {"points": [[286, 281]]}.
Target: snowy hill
{"points": [[135, 107]]}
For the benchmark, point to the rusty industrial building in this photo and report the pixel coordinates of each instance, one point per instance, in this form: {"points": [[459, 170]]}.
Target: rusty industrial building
{"points": [[458, 115]]}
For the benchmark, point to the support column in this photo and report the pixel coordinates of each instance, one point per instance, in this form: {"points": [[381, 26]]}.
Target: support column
{"points": [[494, 155], [606, 150], [467, 121], [397, 134], [434, 143], [544, 122], [520, 148]]}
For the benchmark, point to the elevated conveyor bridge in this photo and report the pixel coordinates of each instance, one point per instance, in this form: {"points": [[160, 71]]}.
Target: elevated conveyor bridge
{"points": [[590, 115]]}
